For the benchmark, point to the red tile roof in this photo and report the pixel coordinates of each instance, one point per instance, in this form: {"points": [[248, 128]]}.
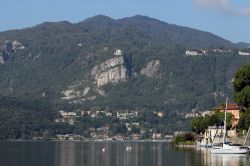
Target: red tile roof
{"points": [[233, 106], [230, 106]]}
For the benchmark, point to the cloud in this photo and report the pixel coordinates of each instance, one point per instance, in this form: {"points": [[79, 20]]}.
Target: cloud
{"points": [[224, 6], [245, 11]]}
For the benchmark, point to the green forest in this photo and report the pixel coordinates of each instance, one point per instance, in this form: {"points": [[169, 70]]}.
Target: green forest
{"points": [[55, 56]]}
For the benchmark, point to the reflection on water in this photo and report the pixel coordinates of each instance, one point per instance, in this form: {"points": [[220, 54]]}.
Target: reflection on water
{"points": [[229, 159], [110, 154], [222, 159]]}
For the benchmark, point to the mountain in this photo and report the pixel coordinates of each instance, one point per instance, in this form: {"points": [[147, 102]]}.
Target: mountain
{"points": [[167, 33], [170, 33], [243, 45], [136, 63]]}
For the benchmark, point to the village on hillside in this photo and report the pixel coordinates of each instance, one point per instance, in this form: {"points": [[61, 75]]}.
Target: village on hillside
{"points": [[204, 52], [130, 127]]}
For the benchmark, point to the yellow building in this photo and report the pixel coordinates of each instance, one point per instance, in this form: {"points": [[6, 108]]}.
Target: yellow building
{"points": [[234, 110]]}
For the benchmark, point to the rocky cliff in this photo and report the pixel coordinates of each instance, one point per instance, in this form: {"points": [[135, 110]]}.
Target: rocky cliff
{"points": [[8, 49], [110, 71], [151, 69]]}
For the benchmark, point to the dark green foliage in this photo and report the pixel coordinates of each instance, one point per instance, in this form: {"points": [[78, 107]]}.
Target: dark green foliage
{"points": [[136, 129], [200, 124], [182, 138], [179, 138], [188, 137], [118, 128], [242, 78], [241, 86], [247, 121], [24, 118], [169, 33], [244, 122]]}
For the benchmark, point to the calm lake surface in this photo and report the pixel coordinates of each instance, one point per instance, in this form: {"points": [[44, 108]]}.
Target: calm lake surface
{"points": [[28, 153]]}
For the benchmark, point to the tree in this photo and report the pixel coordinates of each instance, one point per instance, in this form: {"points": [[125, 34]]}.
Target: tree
{"points": [[188, 137], [247, 121], [241, 86], [200, 124], [220, 116], [118, 128]]}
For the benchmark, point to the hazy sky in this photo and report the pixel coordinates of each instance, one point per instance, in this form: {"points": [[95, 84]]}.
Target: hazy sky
{"points": [[227, 18]]}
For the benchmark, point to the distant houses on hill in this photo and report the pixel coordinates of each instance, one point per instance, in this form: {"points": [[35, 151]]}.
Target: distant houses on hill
{"points": [[206, 51], [244, 53]]}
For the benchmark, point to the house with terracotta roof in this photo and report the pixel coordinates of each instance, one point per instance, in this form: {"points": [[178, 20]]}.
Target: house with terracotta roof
{"points": [[232, 108]]}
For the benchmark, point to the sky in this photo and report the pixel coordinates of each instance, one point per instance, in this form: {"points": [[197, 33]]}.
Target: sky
{"points": [[229, 19]]}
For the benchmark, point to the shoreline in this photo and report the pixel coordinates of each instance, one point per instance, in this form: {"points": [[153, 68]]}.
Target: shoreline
{"points": [[125, 141]]}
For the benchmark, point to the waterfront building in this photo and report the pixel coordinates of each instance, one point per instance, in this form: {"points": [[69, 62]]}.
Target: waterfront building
{"points": [[232, 108]]}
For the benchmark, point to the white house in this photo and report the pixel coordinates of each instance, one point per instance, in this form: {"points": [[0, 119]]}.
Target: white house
{"points": [[244, 53], [192, 53]]}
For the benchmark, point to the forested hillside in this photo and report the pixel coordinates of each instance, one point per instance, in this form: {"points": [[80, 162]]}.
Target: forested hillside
{"points": [[135, 63]]}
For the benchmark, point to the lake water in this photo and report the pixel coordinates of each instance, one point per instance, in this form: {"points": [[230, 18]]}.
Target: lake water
{"points": [[26, 153]]}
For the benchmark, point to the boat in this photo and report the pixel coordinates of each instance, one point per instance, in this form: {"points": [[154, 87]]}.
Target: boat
{"points": [[228, 147]]}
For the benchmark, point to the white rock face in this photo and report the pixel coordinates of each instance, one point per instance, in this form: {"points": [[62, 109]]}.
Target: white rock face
{"points": [[101, 92], [9, 48], [1, 60], [110, 71], [113, 75], [43, 94], [151, 69], [107, 65], [86, 90], [17, 45], [80, 101], [71, 93], [118, 52]]}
